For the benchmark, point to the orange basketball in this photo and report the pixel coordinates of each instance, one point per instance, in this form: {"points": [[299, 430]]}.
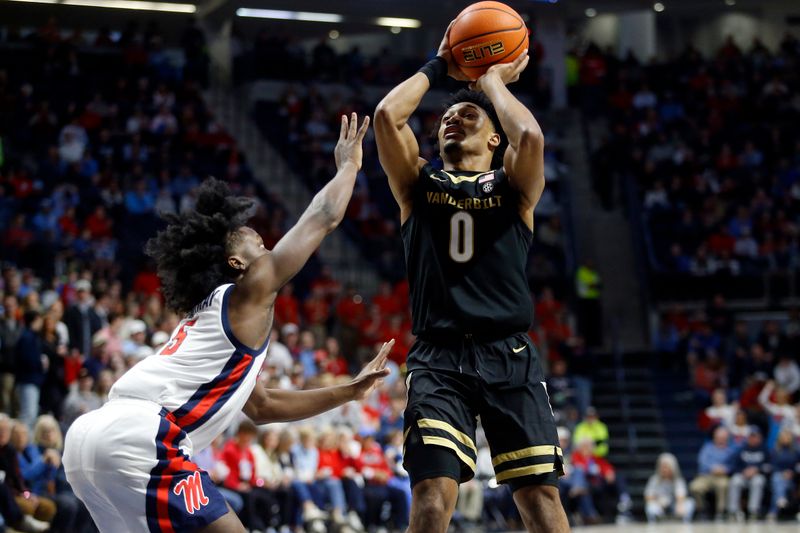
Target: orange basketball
{"points": [[486, 33]]}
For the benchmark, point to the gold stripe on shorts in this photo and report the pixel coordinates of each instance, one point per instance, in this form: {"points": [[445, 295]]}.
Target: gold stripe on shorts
{"points": [[441, 441], [526, 471], [532, 451], [463, 438]]}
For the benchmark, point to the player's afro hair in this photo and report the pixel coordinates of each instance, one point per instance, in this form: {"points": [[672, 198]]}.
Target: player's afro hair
{"points": [[191, 252], [481, 100]]}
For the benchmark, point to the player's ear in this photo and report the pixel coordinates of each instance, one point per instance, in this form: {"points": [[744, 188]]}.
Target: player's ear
{"points": [[236, 263], [494, 140]]}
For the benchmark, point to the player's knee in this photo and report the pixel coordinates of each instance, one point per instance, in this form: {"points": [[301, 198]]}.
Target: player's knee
{"points": [[431, 500], [537, 496]]}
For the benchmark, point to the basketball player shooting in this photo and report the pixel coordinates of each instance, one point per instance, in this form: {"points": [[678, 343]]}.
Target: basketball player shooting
{"points": [[466, 230], [130, 461]]}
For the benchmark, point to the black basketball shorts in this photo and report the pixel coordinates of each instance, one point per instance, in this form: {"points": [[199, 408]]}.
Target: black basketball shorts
{"points": [[451, 384]]}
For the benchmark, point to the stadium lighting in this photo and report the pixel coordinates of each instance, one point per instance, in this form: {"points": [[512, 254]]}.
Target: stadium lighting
{"points": [[120, 4], [134, 4], [658, 7], [395, 22], [279, 14], [590, 12], [333, 34]]}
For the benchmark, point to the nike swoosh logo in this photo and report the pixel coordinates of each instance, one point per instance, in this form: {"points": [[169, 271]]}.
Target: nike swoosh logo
{"points": [[517, 350]]}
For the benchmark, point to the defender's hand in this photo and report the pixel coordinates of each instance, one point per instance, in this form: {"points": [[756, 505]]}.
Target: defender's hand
{"points": [[444, 52], [506, 72], [372, 374], [348, 149]]}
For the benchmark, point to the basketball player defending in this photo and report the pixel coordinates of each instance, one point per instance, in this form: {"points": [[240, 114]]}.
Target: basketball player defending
{"points": [[130, 461], [466, 231]]}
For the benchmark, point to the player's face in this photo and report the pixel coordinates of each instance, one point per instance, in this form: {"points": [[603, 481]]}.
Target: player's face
{"points": [[465, 127], [250, 246]]}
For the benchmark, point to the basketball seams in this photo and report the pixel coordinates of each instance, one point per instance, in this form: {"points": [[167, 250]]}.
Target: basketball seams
{"points": [[481, 22], [485, 34], [513, 15], [499, 60]]}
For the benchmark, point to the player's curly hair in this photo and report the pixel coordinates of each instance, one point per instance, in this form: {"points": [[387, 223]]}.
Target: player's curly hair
{"points": [[481, 100], [191, 252]]}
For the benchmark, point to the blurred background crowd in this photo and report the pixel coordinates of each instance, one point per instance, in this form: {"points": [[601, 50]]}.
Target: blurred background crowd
{"points": [[102, 132]]}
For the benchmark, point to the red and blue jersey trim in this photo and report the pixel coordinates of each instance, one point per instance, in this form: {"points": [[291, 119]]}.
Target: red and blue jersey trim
{"points": [[212, 395], [165, 510]]}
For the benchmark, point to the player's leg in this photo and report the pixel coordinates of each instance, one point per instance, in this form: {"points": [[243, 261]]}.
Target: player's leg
{"points": [[227, 523], [540, 508], [432, 504], [439, 446], [520, 427]]}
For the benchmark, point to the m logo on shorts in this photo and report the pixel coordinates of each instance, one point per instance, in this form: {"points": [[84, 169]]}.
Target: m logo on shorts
{"points": [[192, 489]]}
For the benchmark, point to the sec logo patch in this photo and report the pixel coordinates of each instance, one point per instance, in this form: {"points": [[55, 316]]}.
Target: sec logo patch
{"points": [[488, 187]]}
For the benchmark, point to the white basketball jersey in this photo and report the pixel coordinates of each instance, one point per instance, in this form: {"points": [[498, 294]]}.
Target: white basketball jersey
{"points": [[202, 377]]}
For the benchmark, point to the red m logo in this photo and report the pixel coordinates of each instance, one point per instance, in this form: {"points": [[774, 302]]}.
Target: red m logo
{"points": [[192, 489]]}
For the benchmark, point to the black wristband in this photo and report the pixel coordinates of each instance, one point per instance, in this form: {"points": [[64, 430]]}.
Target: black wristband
{"points": [[435, 70]]}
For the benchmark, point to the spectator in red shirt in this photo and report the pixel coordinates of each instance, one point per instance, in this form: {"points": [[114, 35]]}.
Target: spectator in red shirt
{"points": [[371, 326], [606, 487], [69, 224], [547, 307], [378, 487], [401, 294], [329, 475], [385, 300], [317, 312], [146, 282], [287, 308], [333, 362], [99, 224], [330, 287], [241, 464], [17, 236], [395, 329], [350, 309]]}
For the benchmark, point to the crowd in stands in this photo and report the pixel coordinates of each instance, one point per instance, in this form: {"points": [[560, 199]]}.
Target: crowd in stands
{"points": [[745, 377], [275, 53], [94, 146], [63, 346], [711, 145]]}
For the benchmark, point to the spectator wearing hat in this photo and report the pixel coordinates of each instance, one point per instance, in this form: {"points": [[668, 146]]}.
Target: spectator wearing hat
{"points": [[596, 430], [137, 335], [158, 340], [748, 466], [81, 319], [290, 336]]}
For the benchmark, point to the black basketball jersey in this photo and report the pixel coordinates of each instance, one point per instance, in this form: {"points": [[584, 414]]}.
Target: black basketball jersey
{"points": [[466, 250]]}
